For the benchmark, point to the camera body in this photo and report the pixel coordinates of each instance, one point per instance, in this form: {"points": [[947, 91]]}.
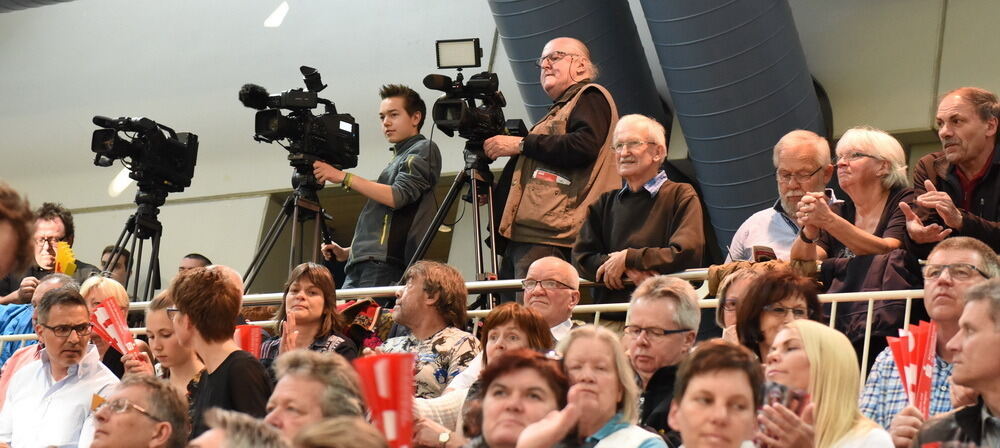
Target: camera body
{"points": [[330, 137], [457, 112], [158, 158]]}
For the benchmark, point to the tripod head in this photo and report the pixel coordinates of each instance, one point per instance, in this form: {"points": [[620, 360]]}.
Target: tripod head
{"points": [[148, 201]]}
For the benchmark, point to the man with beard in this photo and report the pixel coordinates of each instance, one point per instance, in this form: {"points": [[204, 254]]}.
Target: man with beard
{"points": [[802, 162]]}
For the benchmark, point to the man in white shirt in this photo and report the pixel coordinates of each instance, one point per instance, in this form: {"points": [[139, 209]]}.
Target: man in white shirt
{"points": [[802, 165], [551, 287], [49, 400]]}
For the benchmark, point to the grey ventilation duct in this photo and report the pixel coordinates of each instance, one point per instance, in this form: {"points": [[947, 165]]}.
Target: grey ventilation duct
{"points": [[608, 29], [14, 5], [739, 81]]}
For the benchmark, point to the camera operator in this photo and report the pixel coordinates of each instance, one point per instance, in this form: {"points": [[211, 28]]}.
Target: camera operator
{"points": [[400, 203], [567, 161]]}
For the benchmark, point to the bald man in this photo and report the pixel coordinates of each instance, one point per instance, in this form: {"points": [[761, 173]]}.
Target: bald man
{"points": [[561, 167]]}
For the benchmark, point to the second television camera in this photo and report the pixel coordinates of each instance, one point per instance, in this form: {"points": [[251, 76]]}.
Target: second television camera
{"points": [[329, 137], [456, 111]]}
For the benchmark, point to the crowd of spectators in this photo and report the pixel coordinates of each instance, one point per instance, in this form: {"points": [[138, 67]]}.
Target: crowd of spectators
{"points": [[583, 195]]}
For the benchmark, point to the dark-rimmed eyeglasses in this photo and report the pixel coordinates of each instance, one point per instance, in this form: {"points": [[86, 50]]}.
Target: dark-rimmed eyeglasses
{"points": [[528, 285], [651, 332], [121, 405], [172, 312], [958, 271], [800, 178], [553, 57], [63, 331]]}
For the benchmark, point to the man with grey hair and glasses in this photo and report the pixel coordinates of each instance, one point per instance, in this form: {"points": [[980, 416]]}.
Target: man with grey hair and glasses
{"points": [[660, 329], [955, 265], [802, 165], [650, 226]]}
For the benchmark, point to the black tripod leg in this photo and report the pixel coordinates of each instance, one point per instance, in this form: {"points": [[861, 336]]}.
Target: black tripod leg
{"points": [[277, 225], [266, 246], [153, 274], [477, 243], [296, 237], [137, 253], [449, 199]]}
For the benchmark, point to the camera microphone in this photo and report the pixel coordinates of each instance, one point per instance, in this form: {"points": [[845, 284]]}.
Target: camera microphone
{"points": [[254, 96], [437, 82], [103, 121]]}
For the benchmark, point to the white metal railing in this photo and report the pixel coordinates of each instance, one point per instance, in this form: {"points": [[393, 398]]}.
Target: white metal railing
{"points": [[476, 287]]}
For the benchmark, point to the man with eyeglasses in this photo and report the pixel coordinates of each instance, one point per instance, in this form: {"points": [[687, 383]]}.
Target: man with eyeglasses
{"points": [[48, 402], [551, 287], [143, 412], [650, 226], [955, 265], [561, 167], [958, 188], [661, 326], [802, 164], [53, 224]]}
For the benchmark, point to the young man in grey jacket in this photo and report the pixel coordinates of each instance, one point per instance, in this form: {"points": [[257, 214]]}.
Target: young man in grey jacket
{"points": [[401, 201]]}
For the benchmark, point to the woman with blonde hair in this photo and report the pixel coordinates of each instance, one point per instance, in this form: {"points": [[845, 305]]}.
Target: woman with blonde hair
{"points": [[810, 356], [603, 400], [95, 290]]}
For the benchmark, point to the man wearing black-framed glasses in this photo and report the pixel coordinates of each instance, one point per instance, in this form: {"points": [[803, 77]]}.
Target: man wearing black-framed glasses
{"points": [[53, 224], [49, 399], [660, 329]]}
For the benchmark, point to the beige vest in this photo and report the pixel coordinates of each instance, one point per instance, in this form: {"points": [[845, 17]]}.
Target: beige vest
{"points": [[547, 204]]}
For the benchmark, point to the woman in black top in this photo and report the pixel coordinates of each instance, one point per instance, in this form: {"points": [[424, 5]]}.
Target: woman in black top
{"points": [[309, 317], [208, 302]]}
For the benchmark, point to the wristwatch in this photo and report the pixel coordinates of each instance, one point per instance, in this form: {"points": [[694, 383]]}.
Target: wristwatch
{"points": [[444, 438]]}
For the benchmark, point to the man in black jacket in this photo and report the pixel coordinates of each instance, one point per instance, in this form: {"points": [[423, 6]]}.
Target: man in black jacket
{"points": [[958, 188], [660, 330], [975, 365]]}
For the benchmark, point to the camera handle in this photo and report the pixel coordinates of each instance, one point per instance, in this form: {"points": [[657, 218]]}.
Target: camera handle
{"points": [[476, 168]]}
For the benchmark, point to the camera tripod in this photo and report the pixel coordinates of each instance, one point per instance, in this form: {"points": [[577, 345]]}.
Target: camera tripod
{"points": [[476, 164], [302, 205], [141, 225]]}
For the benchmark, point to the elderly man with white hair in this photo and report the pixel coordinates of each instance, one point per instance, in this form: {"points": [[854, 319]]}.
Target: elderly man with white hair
{"points": [[650, 226]]}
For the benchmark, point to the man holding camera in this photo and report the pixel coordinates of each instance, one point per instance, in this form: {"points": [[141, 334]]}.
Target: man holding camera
{"points": [[567, 161], [400, 204]]}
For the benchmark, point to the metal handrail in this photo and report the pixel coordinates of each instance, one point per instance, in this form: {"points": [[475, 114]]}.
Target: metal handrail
{"points": [[476, 287]]}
